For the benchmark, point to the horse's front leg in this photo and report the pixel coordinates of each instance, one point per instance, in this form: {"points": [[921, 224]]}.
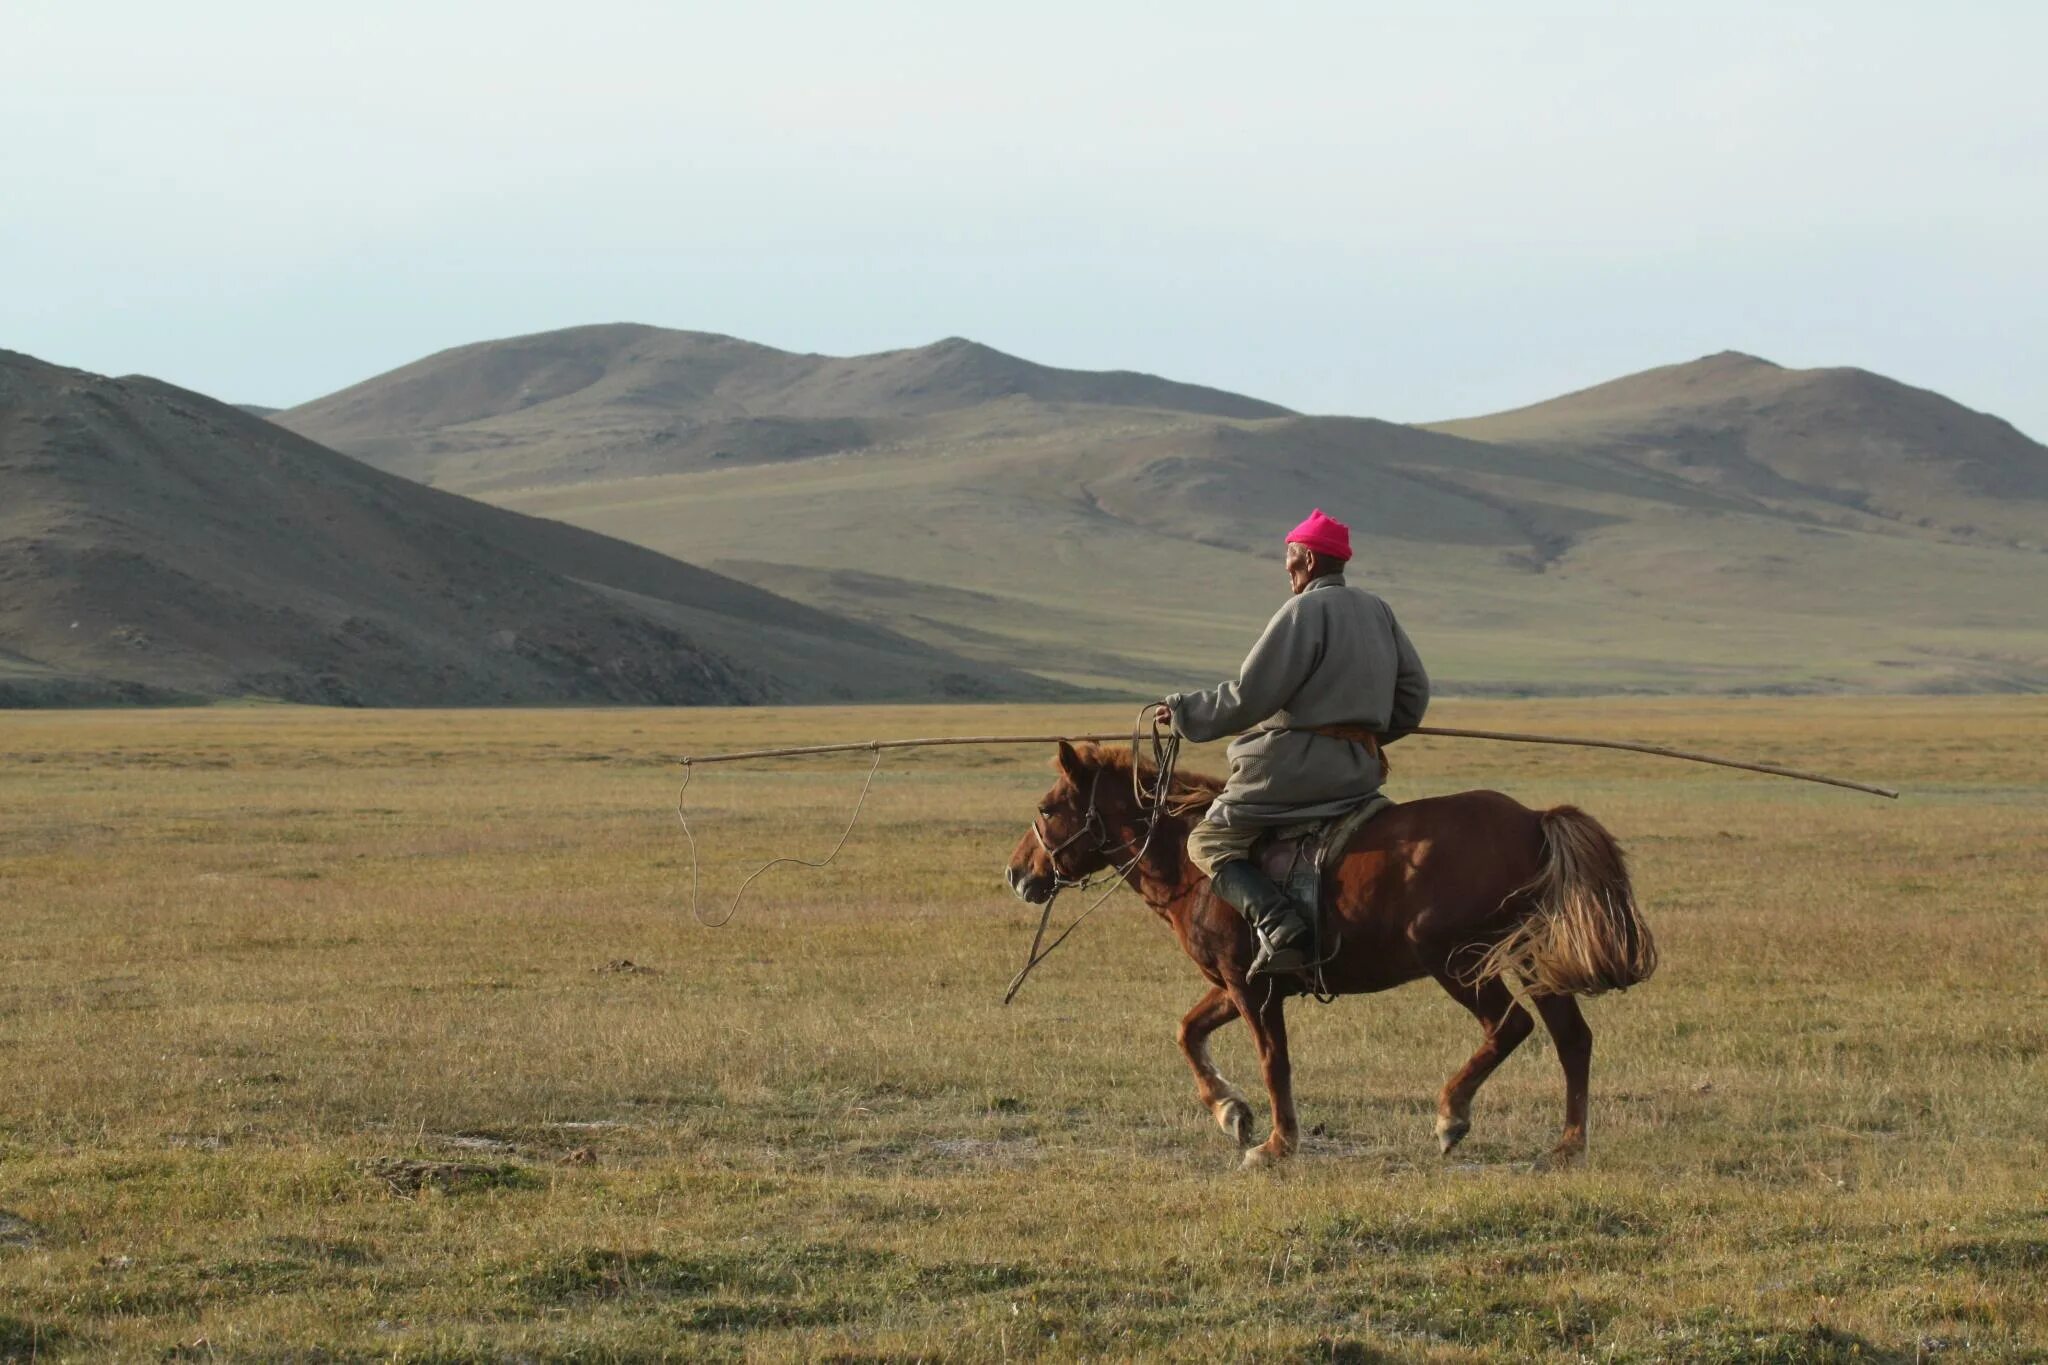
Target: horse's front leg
{"points": [[1218, 1095], [1268, 1023]]}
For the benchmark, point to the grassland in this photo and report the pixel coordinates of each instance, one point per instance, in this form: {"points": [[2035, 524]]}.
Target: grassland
{"points": [[316, 1043]]}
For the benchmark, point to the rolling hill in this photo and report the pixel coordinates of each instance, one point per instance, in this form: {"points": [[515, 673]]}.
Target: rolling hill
{"points": [[156, 544], [1783, 437], [560, 407], [1721, 525]]}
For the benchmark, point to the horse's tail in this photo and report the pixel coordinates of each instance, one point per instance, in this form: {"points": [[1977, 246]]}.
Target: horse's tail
{"points": [[1585, 933]]}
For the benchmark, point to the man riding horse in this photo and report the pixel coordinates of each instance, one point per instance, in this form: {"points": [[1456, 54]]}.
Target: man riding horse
{"points": [[1332, 679]]}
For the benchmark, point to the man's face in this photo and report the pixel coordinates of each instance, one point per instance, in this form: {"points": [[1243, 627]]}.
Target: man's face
{"points": [[1301, 563]]}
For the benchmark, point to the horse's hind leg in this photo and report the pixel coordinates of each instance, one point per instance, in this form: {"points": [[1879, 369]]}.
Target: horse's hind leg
{"points": [[1506, 1024], [1575, 1052], [1218, 1096]]}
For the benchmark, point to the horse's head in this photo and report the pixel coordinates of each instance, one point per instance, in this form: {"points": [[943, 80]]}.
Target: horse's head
{"points": [[1082, 825]]}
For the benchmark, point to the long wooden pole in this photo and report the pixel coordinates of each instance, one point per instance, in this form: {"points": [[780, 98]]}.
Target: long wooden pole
{"points": [[1658, 750], [867, 746]]}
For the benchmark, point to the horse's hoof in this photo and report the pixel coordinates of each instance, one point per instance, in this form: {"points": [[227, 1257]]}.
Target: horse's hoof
{"points": [[1451, 1132], [1234, 1117], [1262, 1157], [1562, 1157]]}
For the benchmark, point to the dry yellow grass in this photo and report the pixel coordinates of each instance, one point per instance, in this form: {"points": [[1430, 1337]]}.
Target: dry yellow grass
{"points": [[251, 952]]}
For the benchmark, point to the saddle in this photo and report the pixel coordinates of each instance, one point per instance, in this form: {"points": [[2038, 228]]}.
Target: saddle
{"points": [[1298, 863]]}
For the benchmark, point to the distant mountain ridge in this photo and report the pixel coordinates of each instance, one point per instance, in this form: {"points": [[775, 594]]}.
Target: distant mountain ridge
{"points": [[1726, 523], [154, 542], [1846, 436], [626, 398]]}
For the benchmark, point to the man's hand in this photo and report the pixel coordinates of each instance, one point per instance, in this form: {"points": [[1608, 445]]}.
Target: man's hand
{"points": [[1161, 716]]}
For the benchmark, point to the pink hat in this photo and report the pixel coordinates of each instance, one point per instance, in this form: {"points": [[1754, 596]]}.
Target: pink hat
{"points": [[1324, 535]]}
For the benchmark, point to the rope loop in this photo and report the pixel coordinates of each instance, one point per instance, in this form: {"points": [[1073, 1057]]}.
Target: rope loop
{"points": [[696, 904]]}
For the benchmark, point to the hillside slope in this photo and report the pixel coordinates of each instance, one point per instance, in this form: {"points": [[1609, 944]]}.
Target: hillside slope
{"points": [[154, 541]]}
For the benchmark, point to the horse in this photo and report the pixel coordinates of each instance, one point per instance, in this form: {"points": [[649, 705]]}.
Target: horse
{"points": [[1472, 890]]}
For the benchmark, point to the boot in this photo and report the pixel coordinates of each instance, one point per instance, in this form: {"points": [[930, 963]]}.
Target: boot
{"points": [[1277, 919]]}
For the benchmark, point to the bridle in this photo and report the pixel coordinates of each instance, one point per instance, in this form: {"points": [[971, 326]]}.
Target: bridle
{"points": [[1091, 823], [1153, 799]]}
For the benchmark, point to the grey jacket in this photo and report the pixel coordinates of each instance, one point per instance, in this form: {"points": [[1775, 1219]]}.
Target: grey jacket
{"points": [[1333, 655]]}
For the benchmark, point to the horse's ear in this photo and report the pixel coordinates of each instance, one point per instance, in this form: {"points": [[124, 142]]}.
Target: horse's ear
{"points": [[1070, 762]]}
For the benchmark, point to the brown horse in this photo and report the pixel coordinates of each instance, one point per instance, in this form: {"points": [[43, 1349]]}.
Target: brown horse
{"points": [[1471, 890]]}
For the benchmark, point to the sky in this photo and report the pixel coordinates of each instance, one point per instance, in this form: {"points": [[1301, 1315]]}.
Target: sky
{"points": [[1413, 212]]}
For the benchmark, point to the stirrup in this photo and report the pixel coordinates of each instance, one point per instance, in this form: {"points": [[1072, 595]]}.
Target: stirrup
{"points": [[1273, 961], [1296, 955]]}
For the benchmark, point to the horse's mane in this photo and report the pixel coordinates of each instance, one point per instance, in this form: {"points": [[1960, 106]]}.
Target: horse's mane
{"points": [[1191, 792]]}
